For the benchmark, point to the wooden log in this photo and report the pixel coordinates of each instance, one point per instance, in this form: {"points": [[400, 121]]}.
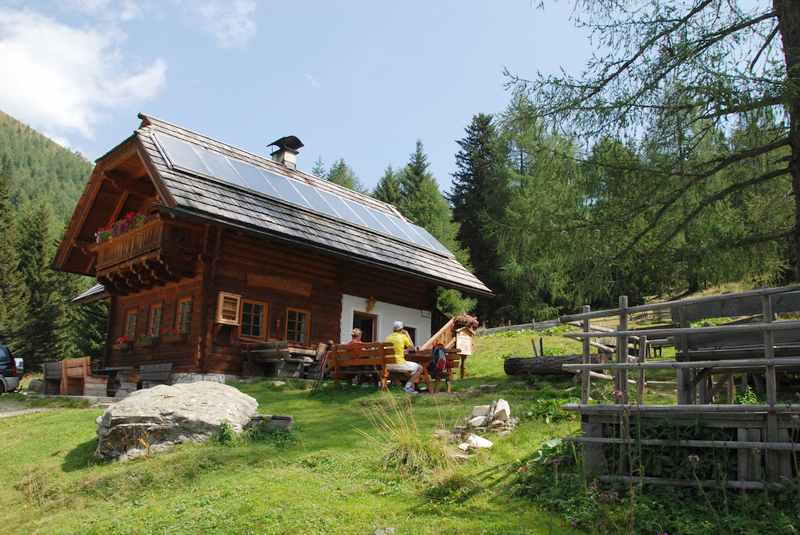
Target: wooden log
{"points": [[523, 366]]}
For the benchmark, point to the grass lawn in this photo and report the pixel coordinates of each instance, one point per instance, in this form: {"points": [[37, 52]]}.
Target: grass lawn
{"points": [[326, 478]]}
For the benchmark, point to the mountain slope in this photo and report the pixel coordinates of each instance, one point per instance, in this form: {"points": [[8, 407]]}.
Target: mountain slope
{"points": [[39, 168]]}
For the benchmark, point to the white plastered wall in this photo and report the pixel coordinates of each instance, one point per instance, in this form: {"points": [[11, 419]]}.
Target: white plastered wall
{"points": [[387, 314]]}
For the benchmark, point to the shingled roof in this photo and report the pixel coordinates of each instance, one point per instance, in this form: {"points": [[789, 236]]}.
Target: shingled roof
{"points": [[214, 198]]}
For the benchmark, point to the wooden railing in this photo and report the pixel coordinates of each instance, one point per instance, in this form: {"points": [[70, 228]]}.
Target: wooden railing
{"points": [[130, 245]]}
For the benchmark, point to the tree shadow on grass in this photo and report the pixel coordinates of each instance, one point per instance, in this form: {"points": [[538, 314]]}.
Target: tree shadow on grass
{"points": [[80, 457]]}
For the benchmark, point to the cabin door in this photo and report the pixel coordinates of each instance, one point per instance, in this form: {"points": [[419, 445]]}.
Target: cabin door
{"points": [[368, 323]]}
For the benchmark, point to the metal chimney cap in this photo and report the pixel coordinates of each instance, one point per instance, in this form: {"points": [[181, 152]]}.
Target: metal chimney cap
{"points": [[290, 143]]}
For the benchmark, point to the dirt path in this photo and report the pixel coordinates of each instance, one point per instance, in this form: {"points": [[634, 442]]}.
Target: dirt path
{"points": [[11, 408]]}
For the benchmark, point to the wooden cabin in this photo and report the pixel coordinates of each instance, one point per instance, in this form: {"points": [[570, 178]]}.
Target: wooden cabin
{"points": [[204, 248]]}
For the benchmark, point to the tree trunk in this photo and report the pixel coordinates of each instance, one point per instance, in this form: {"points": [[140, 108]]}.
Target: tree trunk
{"points": [[523, 366], [788, 12]]}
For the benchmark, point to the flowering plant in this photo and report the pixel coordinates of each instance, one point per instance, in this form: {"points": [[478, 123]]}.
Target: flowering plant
{"points": [[130, 221], [122, 340]]}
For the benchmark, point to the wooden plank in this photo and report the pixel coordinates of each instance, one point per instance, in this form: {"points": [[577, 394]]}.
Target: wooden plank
{"points": [[692, 483], [680, 302], [710, 364], [676, 331], [585, 376], [681, 409], [622, 351], [773, 463], [785, 446]]}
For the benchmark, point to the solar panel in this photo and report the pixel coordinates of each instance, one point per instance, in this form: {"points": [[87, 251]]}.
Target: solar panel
{"points": [[201, 161]]}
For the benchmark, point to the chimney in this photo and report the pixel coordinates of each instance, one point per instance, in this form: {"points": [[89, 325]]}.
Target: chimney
{"points": [[287, 151]]}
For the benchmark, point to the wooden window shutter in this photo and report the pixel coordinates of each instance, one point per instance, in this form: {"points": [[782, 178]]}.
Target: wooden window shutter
{"points": [[228, 306]]}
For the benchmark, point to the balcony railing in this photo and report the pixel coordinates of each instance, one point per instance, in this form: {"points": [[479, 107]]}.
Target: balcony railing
{"points": [[130, 245]]}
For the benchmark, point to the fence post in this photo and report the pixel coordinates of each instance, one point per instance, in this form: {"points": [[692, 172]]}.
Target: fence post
{"points": [[622, 350], [585, 377], [771, 383], [642, 357], [684, 377]]}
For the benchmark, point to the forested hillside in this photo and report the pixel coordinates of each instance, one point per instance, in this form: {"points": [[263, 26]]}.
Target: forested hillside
{"points": [[40, 169], [40, 182]]}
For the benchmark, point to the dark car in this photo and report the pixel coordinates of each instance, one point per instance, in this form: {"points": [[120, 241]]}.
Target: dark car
{"points": [[10, 372]]}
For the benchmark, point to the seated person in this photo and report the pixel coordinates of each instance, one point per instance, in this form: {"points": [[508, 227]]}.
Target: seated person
{"points": [[355, 336], [401, 342]]}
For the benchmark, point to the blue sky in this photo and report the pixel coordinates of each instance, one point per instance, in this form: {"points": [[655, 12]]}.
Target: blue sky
{"points": [[360, 80]]}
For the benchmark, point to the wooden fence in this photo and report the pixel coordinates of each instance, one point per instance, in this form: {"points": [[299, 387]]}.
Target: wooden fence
{"points": [[764, 435]]}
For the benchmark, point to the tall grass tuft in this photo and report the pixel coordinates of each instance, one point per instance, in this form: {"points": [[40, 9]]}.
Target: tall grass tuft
{"points": [[405, 449]]}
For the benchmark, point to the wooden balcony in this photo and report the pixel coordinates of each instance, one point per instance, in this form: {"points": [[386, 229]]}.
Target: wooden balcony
{"points": [[151, 255]]}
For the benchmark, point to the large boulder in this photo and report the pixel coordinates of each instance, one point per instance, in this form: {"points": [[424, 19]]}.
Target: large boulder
{"points": [[154, 419]]}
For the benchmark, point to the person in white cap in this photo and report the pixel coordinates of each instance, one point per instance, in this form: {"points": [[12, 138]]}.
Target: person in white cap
{"points": [[401, 341]]}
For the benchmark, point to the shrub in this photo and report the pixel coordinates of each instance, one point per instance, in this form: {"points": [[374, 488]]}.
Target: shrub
{"points": [[405, 450]]}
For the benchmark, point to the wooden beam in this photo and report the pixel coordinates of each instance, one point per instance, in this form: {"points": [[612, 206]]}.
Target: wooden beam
{"points": [[133, 185]]}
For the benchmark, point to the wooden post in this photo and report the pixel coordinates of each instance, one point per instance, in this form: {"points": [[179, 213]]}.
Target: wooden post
{"points": [[773, 467], [585, 374], [641, 382], [622, 351], [684, 377]]}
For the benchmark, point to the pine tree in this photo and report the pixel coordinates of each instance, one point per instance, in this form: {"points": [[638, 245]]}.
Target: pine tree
{"points": [[389, 188], [13, 292], [318, 169], [341, 173], [424, 205], [39, 334], [479, 196]]}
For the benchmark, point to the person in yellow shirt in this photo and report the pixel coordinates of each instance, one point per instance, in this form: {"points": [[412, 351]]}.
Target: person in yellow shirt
{"points": [[401, 341]]}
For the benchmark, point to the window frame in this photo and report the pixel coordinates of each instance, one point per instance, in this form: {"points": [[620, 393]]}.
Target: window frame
{"points": [[133, 311], [307, 326], [179, 316], [221, 300], [150, 315], [264, 319]]}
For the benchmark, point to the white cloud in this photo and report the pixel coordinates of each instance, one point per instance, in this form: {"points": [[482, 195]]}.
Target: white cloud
{"points": [[65, 79], [114, 9], [311, 80], [231, 22]]}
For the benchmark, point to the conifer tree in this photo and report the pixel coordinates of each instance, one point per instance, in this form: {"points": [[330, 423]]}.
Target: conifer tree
{"points": [[39, 333], [13, 292], [479, 196], [389, 188], [318, 169], [424, 205], [341, 173]]}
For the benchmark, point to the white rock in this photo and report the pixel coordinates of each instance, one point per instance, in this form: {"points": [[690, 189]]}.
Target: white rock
{"points": [[481, 410], [502, 410], [153, 420], [477, 421], [477, 442]]}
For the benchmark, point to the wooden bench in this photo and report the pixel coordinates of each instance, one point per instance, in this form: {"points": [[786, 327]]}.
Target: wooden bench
{"points": [[365, 359], [155, 374]]}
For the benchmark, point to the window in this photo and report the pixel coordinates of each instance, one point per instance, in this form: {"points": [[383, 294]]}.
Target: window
{"points": [[298, 325], [254, 319], [228, 308], [154, 325], [184, 317], [130, 323]]}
